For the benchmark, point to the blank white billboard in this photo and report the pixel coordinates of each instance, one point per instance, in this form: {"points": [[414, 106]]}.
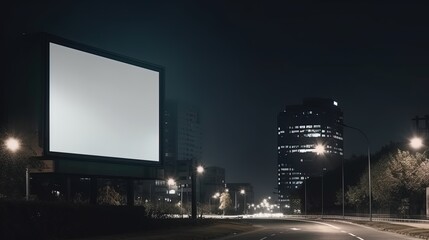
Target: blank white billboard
{"points": [[102, 107]]}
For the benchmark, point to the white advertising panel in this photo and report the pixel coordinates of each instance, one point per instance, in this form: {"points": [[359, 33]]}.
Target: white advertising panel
{"points": [[102, 107]]}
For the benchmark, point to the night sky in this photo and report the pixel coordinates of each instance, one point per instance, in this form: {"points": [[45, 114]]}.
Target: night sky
{"points": [[240, 62]]}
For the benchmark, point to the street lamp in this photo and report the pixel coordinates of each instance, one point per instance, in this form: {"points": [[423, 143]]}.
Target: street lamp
{"points": [[416, 142], [319, 149], [199, 169], [243, 192], [369, 167], [13, 145], [215, 196], [171, 182]]}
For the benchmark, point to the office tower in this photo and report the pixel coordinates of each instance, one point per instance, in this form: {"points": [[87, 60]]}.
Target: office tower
{"points": [[182, 135], [182, 144], [302, 128]]}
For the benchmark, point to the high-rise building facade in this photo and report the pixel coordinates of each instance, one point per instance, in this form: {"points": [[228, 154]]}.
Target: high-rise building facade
{"points": [[182, 135], [301, 128], [182, 144]]}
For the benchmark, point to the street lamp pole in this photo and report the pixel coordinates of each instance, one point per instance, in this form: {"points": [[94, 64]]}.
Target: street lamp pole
{"points": [[194, 194], [27, 184], [13, 145], [323, 174], [342, 182], [243, 192], [305, 195], [235, 201], [369, 168], [194, 171], [320, 149], [181, 199]]}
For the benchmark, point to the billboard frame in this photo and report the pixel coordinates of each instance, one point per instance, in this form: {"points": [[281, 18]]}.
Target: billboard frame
{"points": [[47, 39]]}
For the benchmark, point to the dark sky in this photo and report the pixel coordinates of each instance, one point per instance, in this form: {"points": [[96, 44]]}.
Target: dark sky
{"points": [[240, 62]]}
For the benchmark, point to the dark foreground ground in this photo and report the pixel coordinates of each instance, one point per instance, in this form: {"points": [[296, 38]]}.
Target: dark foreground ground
{"points": [[221, 228]]}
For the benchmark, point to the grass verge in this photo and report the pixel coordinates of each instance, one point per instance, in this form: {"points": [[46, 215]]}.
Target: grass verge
{"points": [[422, 233]]}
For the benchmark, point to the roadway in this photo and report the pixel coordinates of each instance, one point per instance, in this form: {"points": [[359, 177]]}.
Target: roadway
{"points": [[313, 229]]}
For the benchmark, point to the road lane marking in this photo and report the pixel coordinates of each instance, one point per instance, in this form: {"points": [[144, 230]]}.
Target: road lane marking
{"points": [[327, 224], [263, 238], [351, 234], [332, 226], [272, 235]]}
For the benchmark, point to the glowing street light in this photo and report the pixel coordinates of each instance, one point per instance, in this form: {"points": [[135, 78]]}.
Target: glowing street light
{"points": [[319, 149], [243, 192], [195, 170], [171, 182], [12, 144], [200, 169], [416, 142]]}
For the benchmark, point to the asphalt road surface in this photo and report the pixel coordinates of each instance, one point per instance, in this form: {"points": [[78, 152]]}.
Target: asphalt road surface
{"points": [[312, 229]]}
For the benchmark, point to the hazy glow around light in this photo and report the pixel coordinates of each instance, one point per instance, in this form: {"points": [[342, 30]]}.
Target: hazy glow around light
{"points": [[171, 182], [416, 142], [200, 169], [12, 144], [242, 191], [319, 149]]}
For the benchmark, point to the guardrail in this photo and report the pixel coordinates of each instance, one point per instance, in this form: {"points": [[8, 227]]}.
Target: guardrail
{"points": [[361, 218]]}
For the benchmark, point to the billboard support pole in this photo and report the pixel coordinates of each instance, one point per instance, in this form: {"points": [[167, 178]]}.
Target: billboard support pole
{"points": [[130, 192], [93, 191]]}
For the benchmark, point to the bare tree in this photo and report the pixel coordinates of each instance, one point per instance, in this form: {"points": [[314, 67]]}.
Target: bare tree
{"points": [[225, 202], [107, 195]]}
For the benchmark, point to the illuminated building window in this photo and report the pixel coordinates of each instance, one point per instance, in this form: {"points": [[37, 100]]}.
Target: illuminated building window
{"points": [[312, 135]]}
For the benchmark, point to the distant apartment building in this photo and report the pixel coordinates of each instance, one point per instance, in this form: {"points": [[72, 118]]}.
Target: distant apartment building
{"points": [[300, 128]]}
